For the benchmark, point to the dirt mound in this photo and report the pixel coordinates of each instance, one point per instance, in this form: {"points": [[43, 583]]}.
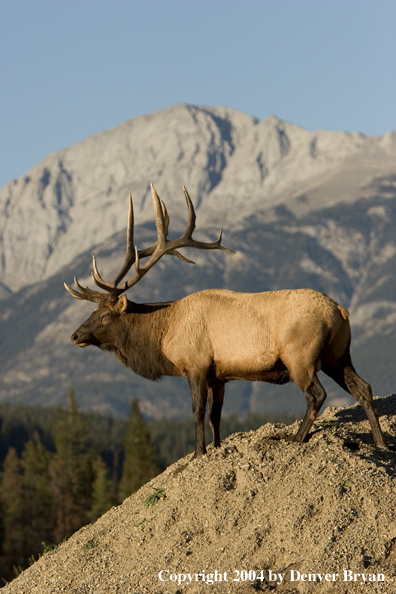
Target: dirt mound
{"points": [[257, 514]]}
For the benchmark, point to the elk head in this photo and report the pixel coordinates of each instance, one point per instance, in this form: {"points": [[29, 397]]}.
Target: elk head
{"points": [[95, 331]]}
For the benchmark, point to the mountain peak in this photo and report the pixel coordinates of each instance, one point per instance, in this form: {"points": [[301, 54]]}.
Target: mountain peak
{"points": [[75, 198]]}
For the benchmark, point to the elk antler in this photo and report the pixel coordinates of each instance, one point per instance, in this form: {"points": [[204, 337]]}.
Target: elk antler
{"points": [[133, 256]]}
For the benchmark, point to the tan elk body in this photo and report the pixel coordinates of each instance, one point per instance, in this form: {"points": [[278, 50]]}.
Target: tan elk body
{"points": [[215, 336]]}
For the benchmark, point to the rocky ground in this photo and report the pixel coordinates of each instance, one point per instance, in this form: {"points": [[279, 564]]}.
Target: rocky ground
{"points": [[258, 514]]}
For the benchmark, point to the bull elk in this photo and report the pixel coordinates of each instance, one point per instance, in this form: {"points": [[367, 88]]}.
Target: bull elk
{"points": [[215, 336]]}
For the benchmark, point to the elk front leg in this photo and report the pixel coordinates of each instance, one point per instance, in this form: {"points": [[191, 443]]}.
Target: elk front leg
{"points": [[199, 392], [215, 400]]}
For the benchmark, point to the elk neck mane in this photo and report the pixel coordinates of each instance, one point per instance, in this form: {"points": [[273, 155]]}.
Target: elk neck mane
{"points": [[139, 344]]}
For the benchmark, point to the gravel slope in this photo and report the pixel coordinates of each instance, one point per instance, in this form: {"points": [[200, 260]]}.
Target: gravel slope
{"points": [[258, 503]]}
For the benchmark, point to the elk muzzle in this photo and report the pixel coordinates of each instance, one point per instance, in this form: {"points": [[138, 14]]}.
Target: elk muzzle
{"points": [[76, 340], [82, 338]]}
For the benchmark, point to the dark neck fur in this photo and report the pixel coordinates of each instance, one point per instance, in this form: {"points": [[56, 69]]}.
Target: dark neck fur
{"points": [[139, 341]]}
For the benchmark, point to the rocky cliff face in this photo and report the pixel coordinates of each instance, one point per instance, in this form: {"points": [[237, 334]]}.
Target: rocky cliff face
{"points": [[232, 164], [300, 208]]}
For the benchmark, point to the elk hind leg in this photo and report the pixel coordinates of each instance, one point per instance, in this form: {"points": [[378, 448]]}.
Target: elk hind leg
{"points": [[361, 391], [315, 396], [344, 374], [215, 400]]}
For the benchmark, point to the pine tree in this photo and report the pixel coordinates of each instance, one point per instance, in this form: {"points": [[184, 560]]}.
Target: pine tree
{"points": [[37, 495], [71, 471], [139, 461], [13, 512], [102, 499]]}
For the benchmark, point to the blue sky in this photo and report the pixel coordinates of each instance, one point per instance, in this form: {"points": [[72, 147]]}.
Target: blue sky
{"points": [[71, 68]]}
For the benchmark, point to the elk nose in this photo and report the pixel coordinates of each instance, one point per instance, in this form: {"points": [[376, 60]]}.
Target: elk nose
{"points": [[74, 337]]}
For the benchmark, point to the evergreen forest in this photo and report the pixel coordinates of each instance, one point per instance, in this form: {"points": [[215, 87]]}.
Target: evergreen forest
{"points": [[62, 468]]}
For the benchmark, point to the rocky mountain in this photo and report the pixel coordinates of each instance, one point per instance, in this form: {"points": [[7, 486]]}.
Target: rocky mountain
{"points": [[299, 208], [257, 514]]}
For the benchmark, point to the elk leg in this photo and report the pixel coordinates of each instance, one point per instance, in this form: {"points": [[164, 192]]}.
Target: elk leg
{"points": [[351, 382], [199, 392], [215, 400], [315, 395], [361, 390]]}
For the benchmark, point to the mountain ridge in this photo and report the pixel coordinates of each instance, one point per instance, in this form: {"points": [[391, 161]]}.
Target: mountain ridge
{"points": [[67, 203], [300, 209]]}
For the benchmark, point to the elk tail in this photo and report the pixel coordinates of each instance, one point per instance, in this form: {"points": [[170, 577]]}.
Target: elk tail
{"points": [[344, 312]]}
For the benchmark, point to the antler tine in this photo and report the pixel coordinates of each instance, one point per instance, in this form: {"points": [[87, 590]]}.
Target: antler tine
{"points": [[150, 250], [75, 294], [137, 261], [191, 216], [129, 258], [95, 270], [159, 218], [166, 218], [85, 293], [191, 226], [130, 249]]}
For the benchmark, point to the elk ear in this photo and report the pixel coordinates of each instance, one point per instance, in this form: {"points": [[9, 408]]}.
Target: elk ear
{"points": [[122, 304]]}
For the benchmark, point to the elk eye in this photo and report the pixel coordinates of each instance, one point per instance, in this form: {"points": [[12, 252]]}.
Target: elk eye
{"points": [[105, 318]]}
